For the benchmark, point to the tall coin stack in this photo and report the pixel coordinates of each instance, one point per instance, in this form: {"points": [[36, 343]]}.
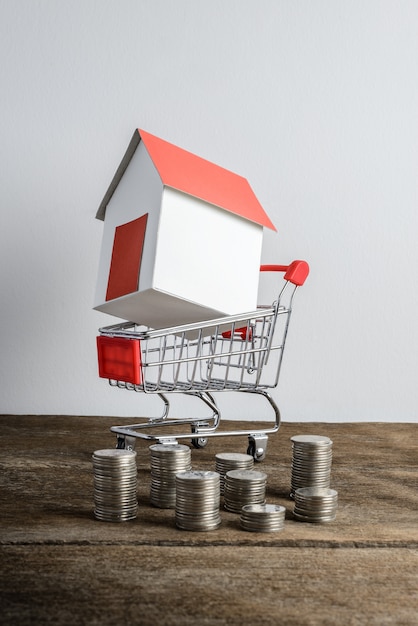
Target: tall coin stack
{"points": [[311, 461], [166, 461], [262, 518], [315, 504], [115, 485], [244, 487], [197, 500], [227, 461]]}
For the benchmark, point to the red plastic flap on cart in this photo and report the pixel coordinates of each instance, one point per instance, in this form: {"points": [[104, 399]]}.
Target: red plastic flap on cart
{"points": [[245, 333], [119, 359]]}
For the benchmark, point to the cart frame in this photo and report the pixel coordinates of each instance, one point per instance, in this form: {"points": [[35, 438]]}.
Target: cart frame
{"points": [[237, 353]]}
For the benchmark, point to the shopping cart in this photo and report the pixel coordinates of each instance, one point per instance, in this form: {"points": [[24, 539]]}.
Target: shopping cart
{"points": [[237, 353]]}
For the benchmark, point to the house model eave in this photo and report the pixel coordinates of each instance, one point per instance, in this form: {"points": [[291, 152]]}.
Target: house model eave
{"points": [[193, 175]]}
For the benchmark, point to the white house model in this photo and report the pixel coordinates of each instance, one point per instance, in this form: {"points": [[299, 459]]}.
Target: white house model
{"points": [[182, 238]]}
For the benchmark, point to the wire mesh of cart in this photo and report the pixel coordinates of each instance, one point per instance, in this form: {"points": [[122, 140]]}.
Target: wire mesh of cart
{"points": [[237, 353]]}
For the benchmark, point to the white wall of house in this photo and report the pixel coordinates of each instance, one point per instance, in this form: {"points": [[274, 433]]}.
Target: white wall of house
{"points": [[314, 102]]}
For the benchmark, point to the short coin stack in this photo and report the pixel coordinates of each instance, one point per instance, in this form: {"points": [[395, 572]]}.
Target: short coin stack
{"points": [[227, 461], [311, 462], [244, 487], [262, 518], [115, 485], [166, 461], [315, 504], [197, 500]]}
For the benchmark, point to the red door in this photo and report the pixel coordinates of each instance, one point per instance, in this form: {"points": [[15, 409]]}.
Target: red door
{"points": [[125, 264]]}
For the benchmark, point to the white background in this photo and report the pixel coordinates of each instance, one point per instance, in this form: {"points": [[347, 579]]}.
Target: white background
{"points": [[315, 102]]}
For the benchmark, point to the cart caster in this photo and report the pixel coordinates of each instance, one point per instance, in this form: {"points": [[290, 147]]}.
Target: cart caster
{"points": [[199, 442], [257, 446], [120, 443], [125, 443]]}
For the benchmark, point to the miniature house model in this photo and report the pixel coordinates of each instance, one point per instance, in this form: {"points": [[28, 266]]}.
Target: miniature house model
{"points": [[181, 241]]}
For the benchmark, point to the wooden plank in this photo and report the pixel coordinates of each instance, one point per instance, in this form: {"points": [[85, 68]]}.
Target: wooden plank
{"points": [[166, 585], [62, 566]]}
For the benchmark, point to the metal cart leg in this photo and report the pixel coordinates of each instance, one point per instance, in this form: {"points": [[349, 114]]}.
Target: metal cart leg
{"points": [[200, 427], [126, 441], [199, 442], [257, 442], [126, 435]]}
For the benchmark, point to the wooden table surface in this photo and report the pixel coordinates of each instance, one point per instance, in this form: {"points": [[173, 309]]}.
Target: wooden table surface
{"points": [[59, 565]]}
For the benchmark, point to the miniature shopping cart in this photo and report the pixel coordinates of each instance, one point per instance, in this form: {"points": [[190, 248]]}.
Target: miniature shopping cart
{"points": [[237, 353]]}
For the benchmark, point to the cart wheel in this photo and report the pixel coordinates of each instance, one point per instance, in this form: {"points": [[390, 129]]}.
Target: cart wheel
{"points": [[251, 448], [120, 443], [257, 452], [125, 442], [199, 442]]}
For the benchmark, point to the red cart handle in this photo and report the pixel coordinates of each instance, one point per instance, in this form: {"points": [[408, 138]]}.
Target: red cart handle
{"points": [[296, 273]]}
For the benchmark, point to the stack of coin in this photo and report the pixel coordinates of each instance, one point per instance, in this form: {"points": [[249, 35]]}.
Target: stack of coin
{"points": [[315, 504], [244, 487], [197, 500], [311, 461], [115, 485], [227, 461], [166, 461], [262, 518]]}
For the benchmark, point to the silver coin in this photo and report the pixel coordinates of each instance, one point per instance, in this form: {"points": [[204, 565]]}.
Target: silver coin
{"points": [[310, 475], [108, 477], [260, 509], [248, 475], [316, 461], [271, 529], [198, 475], [114, 454], [105, 472], [315, 520], [311, 481], [100, 493], [114, 467], [314, 499], [117, 511], [311, 440], [198, 517], [236, 507], [313, 492], [311, 453], [262, 523], [311, 450], [197, 525]]}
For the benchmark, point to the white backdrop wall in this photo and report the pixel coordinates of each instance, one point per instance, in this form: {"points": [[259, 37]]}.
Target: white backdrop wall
{"points": [[315, 102]]}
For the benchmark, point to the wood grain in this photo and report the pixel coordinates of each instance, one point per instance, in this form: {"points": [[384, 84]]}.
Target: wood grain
{"points": [[59, 565]]}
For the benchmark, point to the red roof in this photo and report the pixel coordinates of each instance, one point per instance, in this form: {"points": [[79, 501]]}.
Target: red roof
{"points": [[195, 176]]}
